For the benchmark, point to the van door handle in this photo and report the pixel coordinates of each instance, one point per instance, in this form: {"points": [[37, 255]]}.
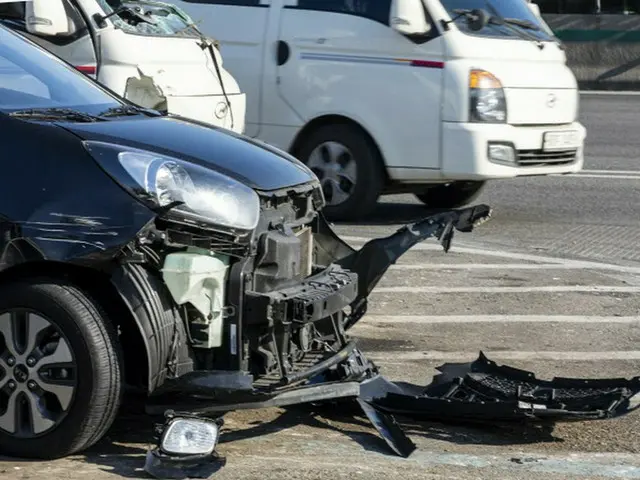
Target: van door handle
{"points": [[283, 52]]}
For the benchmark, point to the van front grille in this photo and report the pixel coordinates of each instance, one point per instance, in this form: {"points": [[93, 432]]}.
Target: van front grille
{"points": [[533, 158]]}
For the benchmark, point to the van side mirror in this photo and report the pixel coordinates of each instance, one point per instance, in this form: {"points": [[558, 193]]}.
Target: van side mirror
{"points": [[535, 8], [407, 17], [47, 17]]}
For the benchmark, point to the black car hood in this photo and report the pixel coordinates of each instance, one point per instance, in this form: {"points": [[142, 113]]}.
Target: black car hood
{"points": [[257, 165]]}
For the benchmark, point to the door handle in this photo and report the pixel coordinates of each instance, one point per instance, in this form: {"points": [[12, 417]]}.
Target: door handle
{"points": [[283, 52]]}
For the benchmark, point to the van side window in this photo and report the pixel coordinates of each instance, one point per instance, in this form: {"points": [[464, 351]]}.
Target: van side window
{"points": [[377, 10]]}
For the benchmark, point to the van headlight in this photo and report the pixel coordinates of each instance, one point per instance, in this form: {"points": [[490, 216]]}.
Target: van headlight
{"points": [[180, 190], [487, 103]]}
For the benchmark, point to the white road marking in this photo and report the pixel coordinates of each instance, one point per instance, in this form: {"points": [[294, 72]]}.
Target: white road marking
{"points": [[439, 319], [501, 289], [349, 456], [458, 248], [612, 172], [484, 266], [619, 177], [395, 357], [614, 93]]}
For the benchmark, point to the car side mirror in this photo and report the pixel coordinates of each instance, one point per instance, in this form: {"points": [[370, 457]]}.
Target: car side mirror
{"points": [[535, 8], [47, 17], [408, 18]]}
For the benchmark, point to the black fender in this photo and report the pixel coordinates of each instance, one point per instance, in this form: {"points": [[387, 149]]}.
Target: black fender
{"points": [[158, 320]]}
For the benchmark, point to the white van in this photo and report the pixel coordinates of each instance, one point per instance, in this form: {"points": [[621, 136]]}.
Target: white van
{"points": [[385, 96], [146, 51]]}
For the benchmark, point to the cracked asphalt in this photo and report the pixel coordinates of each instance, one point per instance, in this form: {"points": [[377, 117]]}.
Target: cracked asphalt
{"points": [[549, 285]]}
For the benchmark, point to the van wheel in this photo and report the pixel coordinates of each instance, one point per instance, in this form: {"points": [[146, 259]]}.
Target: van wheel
{"points": [[451, 195], [60, 384], [349, 168]]}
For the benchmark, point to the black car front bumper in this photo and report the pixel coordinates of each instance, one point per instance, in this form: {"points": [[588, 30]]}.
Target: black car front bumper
{"points": [[480, 391]]}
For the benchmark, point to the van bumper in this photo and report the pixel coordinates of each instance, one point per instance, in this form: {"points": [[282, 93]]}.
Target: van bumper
{"points": [[465, 151]]}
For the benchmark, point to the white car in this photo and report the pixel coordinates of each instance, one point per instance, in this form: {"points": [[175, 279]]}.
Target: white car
{"points": [[149, 52], [381, 96]]}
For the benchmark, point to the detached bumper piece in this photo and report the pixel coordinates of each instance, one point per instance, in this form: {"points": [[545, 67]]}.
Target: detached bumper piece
{"points": [[483, 391]]}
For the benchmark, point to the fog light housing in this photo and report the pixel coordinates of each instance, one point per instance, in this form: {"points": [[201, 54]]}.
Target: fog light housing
{"points": [[186, 448], [504, 153], [186, 436]]}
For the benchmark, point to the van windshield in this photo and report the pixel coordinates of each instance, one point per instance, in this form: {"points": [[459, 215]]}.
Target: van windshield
{"points": [[165, 19], [32, 78], [508, 9]]}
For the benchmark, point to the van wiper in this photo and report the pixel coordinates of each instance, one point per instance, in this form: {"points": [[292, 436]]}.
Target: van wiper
{"points": [[55, 114], [511, 23], [526, 24]]}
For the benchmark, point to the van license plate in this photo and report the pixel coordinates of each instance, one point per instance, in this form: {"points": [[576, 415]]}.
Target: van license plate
{"points": [[564, 140]]}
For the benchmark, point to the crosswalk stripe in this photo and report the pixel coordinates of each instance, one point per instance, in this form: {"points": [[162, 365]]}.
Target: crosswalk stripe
{"points": [[505, 289], [452, 319], [402, 357]]}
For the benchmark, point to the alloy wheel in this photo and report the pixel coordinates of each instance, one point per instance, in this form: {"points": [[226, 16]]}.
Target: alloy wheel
{"points": [[336, 168], [38, 374]]}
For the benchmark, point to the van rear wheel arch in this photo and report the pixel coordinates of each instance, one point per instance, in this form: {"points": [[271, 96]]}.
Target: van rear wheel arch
{"points": [[348, 139]]}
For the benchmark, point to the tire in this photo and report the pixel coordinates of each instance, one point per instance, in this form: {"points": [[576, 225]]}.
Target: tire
{"points": [[451, 195], [95, 369], [369, 178]]}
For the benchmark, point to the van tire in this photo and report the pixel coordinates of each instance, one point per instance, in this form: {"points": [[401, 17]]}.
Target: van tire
{"points": [[370, 176], [96, 369], [451, 195]]}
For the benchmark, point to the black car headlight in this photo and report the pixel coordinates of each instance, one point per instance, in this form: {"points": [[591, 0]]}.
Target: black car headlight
{"points": [[188, 192]]}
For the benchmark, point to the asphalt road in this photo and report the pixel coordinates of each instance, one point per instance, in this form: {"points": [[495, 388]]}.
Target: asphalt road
{"points": [[550, 285]]}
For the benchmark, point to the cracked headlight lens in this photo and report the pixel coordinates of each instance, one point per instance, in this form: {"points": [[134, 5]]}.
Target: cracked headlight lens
{"points": [[189, 193]]}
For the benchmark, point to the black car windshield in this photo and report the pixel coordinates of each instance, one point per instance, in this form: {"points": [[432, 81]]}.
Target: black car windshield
{"points": [[32, 78], [517, 10]]}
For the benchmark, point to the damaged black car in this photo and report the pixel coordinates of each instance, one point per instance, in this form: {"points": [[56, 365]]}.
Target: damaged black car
{"points": [[149, 250]]}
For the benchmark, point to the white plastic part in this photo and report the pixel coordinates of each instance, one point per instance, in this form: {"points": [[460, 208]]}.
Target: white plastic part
{"points": [[47, 17], [407, 17], [200, 280], [190, 437]]}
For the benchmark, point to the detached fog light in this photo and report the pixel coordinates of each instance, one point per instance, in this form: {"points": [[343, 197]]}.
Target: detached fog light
{"points": [[502, 153], [190, 437], [186, 448]]}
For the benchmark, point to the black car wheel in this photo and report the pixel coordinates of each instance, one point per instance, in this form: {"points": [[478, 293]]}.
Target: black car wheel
{"points": [[60, 371], [451, 195], [348, 165]]}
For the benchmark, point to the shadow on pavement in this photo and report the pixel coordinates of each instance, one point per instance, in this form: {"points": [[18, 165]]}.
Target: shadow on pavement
{"points": [[122, 452]]}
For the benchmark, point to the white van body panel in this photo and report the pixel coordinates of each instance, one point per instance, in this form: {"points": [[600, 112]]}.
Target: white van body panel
{"points": [[338, 57], [242, 32]]}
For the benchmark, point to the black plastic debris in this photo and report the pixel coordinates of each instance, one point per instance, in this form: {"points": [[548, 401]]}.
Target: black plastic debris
{"points": [[487, 392]]}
